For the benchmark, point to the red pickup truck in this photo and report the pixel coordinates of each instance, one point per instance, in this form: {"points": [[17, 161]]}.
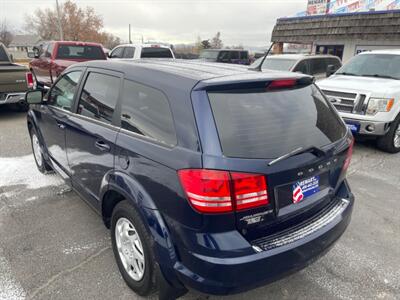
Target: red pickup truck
{"points": [[55, 56]]}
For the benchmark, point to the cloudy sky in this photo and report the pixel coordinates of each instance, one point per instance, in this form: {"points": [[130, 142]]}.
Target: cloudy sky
{"points": [[247, 22]]}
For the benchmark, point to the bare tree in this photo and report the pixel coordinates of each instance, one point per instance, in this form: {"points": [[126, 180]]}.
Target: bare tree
{"points": [[78, 24], [109, 40], [216, 42], [6, 35]]}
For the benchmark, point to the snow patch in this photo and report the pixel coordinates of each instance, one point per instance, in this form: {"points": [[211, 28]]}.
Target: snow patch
{"points": [[23, 171], [10, 289]]}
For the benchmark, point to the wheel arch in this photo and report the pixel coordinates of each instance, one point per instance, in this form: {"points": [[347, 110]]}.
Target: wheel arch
{"points": [[118, 186]]}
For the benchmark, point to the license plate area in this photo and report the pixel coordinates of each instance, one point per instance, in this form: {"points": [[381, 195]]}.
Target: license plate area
{"points": [[354, 128], [311, 186]]}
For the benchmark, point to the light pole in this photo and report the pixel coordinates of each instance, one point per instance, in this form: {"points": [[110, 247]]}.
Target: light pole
{"points": [[60, 30], [130, 40]]}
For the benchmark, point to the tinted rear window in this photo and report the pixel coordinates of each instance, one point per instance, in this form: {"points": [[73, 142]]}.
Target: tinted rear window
{"points": [[156, 53], [270, 124], [80, 52]]}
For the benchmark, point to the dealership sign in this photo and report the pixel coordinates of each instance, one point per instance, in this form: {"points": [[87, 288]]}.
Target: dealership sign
{"points": [[320, 7]]}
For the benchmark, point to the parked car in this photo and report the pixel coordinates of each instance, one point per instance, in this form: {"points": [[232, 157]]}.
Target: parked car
{"points": [[55, 56], [230, 56], [15, 80], [366, 92], [196, 191], [131, 51], [319, 66]]}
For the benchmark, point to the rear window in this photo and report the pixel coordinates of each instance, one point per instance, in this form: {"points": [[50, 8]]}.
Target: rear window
{"points": [[270, 124], [156, 53], [80, 52], [279, 64]]}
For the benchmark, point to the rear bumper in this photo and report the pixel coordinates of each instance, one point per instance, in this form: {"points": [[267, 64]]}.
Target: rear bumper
{"points": [[10, 98], [222, 276]]}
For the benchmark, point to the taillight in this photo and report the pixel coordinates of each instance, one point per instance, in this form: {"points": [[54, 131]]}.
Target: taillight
{"points": [[250, 190], [348, 155], [29, 79], [282, 83], [213, 191]]}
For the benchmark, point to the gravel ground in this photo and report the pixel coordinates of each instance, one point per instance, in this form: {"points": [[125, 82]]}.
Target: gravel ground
{"points": [[53, 246]]}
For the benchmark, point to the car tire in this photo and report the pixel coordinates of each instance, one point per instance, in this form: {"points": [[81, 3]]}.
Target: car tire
{"points": [[126, 247], [37, 151], [390, 142]]}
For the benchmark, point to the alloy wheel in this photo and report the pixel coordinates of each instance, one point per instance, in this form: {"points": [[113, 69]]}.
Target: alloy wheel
{"points": [[37, 150], [130, 249], [396, 140]]}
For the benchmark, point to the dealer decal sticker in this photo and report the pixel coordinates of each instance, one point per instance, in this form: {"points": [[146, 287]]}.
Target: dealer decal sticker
{"points": [[305, 188]]}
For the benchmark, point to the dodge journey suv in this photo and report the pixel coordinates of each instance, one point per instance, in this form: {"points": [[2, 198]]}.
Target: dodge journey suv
{"points": [[210, 177]]}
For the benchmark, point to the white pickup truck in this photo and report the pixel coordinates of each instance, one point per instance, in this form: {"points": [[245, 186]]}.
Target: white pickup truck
{"points": [[366, 92]]}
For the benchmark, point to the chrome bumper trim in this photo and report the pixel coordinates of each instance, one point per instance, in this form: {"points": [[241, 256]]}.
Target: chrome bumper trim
{"points": [[304, 229]]}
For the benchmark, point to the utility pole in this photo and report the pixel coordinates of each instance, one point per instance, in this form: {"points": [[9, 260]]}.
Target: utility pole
{"points": [[130, 40], [60, 30]]}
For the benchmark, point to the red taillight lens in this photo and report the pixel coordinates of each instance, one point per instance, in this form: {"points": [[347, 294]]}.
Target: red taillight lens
{"points": [[282, 83], [348, 156], [250, 190], [207, 190], [212, 191], [29, 79]]}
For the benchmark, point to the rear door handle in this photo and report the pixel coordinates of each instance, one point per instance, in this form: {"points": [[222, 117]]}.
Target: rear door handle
{"points": [[102, 146]]}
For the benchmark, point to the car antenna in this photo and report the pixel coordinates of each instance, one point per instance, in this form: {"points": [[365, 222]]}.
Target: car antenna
{"points": [[259, 67]]}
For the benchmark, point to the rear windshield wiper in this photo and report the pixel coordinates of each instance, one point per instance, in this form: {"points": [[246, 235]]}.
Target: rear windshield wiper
{"points": [[380, 76], [346, 74], [300, 150]]}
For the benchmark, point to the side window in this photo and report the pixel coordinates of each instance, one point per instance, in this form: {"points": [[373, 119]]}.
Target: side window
{"points": [[99, 97], [117, 53], [244, 55], [43, 50], [49, 50], [146, 111], [302, 67], [317, 66], [129, 52], [333, 61], [223, 56], [234, 55], [62, 93]]}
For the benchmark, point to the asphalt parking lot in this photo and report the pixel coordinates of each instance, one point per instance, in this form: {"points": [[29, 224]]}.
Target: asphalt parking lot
{"points": [[53, 246]]}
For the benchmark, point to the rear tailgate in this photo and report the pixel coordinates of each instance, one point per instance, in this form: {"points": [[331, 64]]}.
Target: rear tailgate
{"points": [[12, 78], [256, 125]]}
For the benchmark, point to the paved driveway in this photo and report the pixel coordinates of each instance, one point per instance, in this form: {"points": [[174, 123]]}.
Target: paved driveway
{"points": [[53, 246]]}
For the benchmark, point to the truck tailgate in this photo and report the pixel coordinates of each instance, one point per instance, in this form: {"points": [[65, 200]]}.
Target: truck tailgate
{"points": [[12, 78]]}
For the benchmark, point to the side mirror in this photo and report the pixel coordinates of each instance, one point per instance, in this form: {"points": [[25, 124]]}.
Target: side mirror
{"points": [[34, 97], [36, 52], [330, 69]]}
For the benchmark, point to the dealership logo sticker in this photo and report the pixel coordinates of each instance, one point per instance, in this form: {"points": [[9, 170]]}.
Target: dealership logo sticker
{"points": [[297, 194], [305, 188]]}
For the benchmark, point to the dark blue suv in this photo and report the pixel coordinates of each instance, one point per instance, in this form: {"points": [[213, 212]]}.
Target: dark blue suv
{"points": [[211, 177]]}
